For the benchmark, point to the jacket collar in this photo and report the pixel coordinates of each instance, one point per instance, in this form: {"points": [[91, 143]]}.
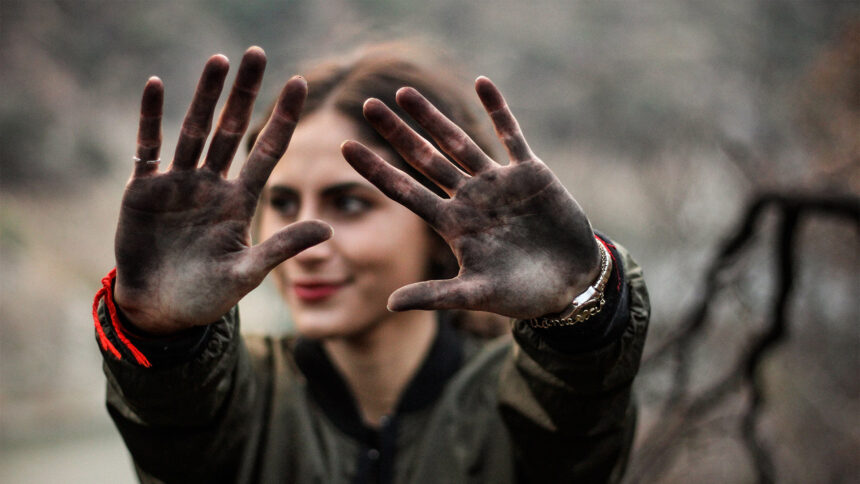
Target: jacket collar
{"points": [[330, 391]]}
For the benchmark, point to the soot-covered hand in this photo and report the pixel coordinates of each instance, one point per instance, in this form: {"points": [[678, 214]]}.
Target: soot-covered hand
{"points": [[524, 245], [183, 250]]}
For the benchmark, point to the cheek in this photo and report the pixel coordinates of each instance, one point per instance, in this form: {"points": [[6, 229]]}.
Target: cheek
{"points": [[395, 252], [265, 225]]}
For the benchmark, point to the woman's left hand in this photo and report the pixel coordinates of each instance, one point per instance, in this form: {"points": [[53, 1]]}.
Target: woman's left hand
{"points": [[524, 245]]}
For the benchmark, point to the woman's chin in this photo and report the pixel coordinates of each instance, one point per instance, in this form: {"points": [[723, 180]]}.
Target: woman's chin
{"points": [[315, 334], [350, 327], [325, 326]]}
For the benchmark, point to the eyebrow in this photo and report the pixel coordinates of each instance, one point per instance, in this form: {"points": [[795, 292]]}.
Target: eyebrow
{"points": [[345, 187], [327, 192]]}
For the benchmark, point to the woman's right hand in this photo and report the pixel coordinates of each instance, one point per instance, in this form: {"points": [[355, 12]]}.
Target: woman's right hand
{"points": [[183, 249]]}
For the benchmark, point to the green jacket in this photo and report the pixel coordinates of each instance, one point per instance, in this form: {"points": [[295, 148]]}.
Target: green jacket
{"points": [[263, 409]]}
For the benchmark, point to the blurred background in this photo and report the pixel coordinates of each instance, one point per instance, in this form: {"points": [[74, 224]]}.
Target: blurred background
{"points": [[664, 118]]}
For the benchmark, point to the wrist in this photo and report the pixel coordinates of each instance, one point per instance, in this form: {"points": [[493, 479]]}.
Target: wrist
{"points": [[105, 295], [139, 324], [140, 319], [586, 302], [605, 327], [587, 278]]}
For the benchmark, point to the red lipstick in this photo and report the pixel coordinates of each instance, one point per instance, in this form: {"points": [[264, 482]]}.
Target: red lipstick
{"points": [[315, 292]]}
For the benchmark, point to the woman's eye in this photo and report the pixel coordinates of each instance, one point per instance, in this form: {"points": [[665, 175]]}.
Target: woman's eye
{"points": [[351, 205], [285, 206]]}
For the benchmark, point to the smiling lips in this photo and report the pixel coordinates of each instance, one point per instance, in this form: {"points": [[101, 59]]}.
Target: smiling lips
{"points": [[316, 291]]}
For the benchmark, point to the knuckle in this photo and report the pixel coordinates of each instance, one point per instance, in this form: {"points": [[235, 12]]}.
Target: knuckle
{"points": [[508, 138], [269, 148], [193, 130], [425, 153], [283, 117], [232, 127], [457, 145]]}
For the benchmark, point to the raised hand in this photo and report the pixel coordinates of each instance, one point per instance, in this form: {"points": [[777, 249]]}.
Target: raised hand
{"points": [[524, 245], [183, 248]]}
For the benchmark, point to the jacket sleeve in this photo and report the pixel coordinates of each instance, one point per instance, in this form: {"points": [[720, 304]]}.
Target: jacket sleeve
{"points": [[570, 413], [192, 418]]}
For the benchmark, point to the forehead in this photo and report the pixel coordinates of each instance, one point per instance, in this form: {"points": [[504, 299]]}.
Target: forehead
{"points": [[313, 158]]}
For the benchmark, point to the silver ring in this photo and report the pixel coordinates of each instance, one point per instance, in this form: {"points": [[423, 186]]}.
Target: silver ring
{"points": [[148, 162]]}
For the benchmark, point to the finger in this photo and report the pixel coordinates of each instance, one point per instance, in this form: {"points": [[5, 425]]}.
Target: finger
{"points": [[198, 119], [416, 150], [450, 137], [457, 293], [236, 114], [507, 128], [149, 129], [286, 243], [395, 184], [273, 140]]}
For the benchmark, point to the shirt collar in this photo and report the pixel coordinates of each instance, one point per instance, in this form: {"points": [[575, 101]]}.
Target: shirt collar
{"points": [[330, 391]]}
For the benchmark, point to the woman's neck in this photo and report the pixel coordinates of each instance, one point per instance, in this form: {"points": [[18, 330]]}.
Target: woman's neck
{"points": [[378, 365]]}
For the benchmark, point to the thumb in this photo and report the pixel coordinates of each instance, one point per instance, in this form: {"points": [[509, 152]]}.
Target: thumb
{"points": [[457, 293], [288, 242]]}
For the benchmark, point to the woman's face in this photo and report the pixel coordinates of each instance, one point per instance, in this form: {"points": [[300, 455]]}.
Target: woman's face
{"points": [[340, 288]]}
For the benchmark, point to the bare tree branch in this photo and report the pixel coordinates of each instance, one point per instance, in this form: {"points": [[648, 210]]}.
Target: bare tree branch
{"points": [[681, 412]]}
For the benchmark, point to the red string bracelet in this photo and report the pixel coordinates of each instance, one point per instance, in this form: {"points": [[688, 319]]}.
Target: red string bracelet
{"points": [[106, 291], [614, 262]]}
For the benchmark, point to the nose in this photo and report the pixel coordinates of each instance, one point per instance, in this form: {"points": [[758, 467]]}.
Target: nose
{"points": [[315, 255], [318, 253]]}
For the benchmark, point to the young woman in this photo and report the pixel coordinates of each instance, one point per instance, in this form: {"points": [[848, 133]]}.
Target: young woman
{"points": [[378, 385]]}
